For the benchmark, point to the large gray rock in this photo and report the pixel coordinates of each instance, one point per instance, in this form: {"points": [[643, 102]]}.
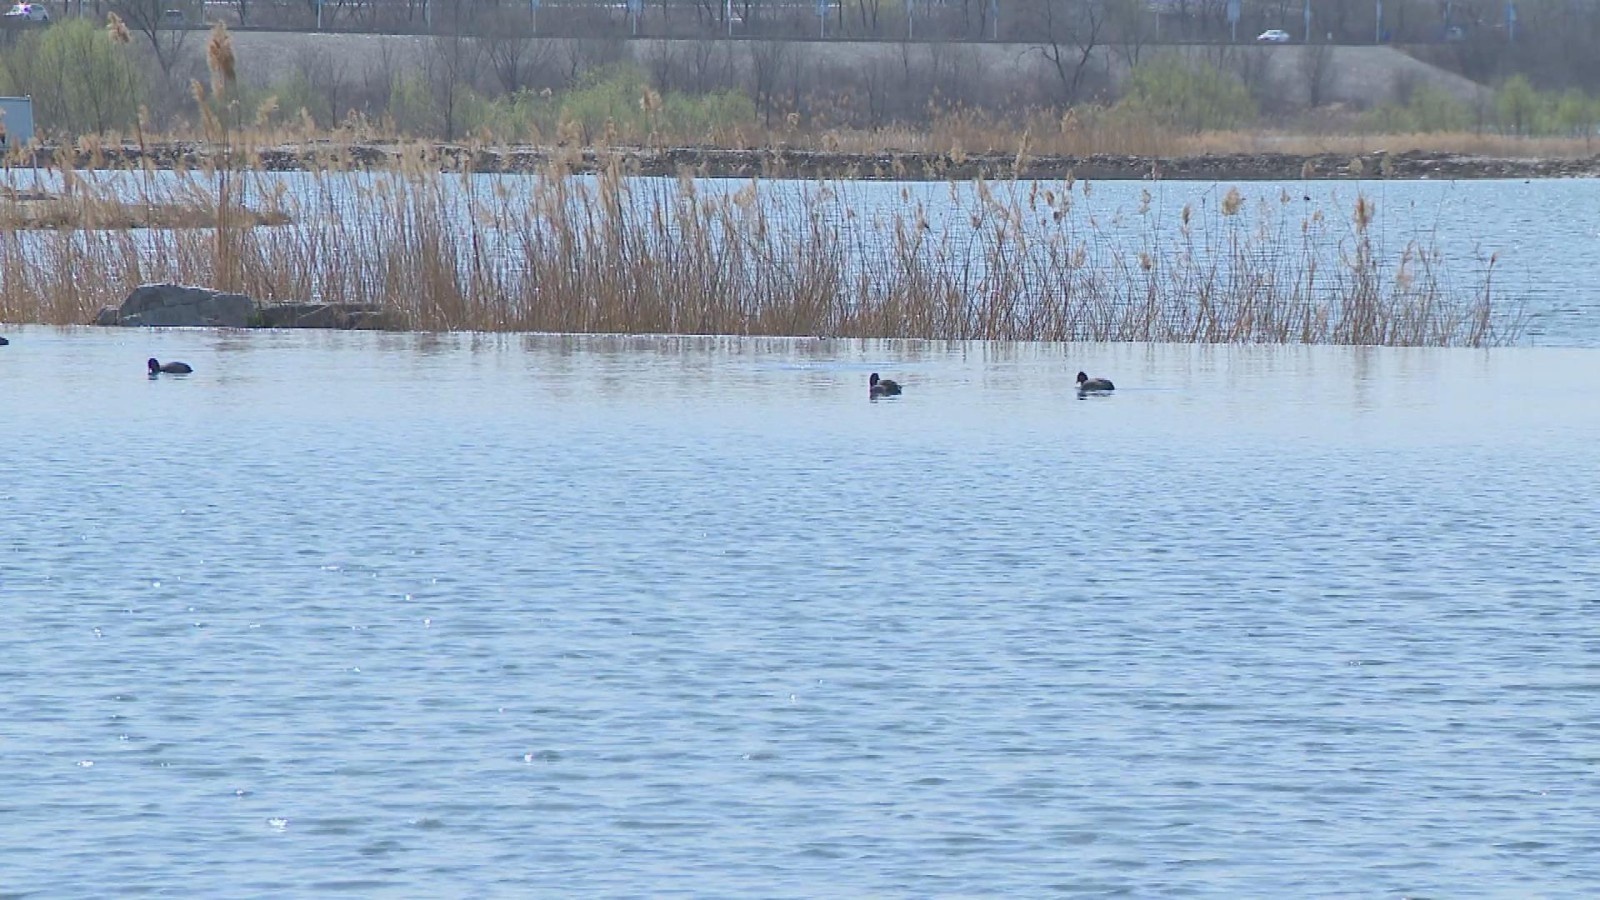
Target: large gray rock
{"points": [[177, 305]]}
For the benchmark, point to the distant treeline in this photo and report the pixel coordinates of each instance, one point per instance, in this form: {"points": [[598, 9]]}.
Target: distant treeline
{"points": [[87, 79], [1488, 40], [1143, 21]]}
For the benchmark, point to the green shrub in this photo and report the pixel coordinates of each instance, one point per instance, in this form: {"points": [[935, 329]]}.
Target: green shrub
{"points": [[81, 82], [1522, 109], [1518, 105], [1187, 96], [696, 115], [412, 106], [605, 95], [525, 115], [298, 93], [1428, 109], [1577, 114]]}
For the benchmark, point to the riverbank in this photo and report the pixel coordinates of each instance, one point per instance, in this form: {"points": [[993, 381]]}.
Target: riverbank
{"points": [[783, 162]]}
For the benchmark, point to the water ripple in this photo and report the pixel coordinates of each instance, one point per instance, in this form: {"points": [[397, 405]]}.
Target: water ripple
{"points": [[525, 615]]}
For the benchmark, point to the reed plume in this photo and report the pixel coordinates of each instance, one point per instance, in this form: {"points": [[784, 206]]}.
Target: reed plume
{"points": [[220, 60], [118, 30]]}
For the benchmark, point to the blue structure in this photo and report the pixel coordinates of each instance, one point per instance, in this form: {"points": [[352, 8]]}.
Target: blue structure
{"points": [[16, 122]]}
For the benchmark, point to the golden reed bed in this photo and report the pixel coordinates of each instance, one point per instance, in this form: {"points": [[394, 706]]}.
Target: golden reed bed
{"points": [[551, 251]]}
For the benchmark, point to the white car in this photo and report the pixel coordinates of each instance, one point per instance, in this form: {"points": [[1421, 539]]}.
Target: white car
{"points": [[28, 12], [1274, 36]]}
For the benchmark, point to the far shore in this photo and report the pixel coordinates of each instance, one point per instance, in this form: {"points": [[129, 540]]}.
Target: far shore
{"points": [[780, 162]]}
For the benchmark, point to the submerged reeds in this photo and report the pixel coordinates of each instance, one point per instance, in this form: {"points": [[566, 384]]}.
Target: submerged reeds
{"points": [[613, 253]]}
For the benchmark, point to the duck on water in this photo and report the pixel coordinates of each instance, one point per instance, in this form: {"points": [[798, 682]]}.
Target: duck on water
{"points": [[882, 387], [158, 367], [1086, 384]]}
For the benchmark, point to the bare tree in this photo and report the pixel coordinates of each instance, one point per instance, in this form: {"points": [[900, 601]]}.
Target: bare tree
{"points": [[710, 66], [661, 60], [148, 17], [452, 68], [874, 77], [1554, 44], [1125, 20], [1347, 20], [329, 73], [379, 78], [511, 51], [934, 75], [583, 54], [975, 18], [767, 60], [1248, 64], [869, 14], [698, 67], [710, 14], [1316, 66], [1068, 33]]}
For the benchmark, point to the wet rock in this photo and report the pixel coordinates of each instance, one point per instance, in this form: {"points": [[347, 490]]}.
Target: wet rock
{"points": [[185, 306], [328, 315], [373, 319], [174, 305]]}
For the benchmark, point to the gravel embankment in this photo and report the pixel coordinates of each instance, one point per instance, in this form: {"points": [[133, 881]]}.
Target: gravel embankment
{"points": [[781, 163]]}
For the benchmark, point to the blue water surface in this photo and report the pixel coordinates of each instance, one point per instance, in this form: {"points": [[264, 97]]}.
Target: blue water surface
{"points": [[411, 615]]}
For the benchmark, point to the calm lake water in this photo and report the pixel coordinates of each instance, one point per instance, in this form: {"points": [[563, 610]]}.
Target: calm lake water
{"points": [[359, 614]]}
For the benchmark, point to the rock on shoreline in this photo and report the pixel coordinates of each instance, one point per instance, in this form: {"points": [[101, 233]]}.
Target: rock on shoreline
{"points": [[783, 162], [188, 306]]}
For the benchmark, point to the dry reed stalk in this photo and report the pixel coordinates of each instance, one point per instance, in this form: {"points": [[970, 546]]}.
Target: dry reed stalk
{"points": [[609, 252]]}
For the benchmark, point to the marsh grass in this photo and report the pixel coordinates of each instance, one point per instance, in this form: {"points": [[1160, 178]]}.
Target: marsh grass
{"points": [[949, 130], [614, 253], [22, 211], [1088, 132]]}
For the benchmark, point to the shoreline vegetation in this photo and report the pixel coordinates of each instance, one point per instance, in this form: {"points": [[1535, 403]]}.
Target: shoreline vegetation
{"points": [[1010, 253], [782, 161], [438, 250], [27, 210], [793, 246]]}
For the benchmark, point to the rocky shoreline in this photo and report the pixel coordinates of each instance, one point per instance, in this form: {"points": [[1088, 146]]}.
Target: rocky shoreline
{"points": [[808, 164], [168, 305]]}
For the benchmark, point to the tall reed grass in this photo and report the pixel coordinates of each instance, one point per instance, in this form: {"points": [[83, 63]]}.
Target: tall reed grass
{"points": [[613, 253]]}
